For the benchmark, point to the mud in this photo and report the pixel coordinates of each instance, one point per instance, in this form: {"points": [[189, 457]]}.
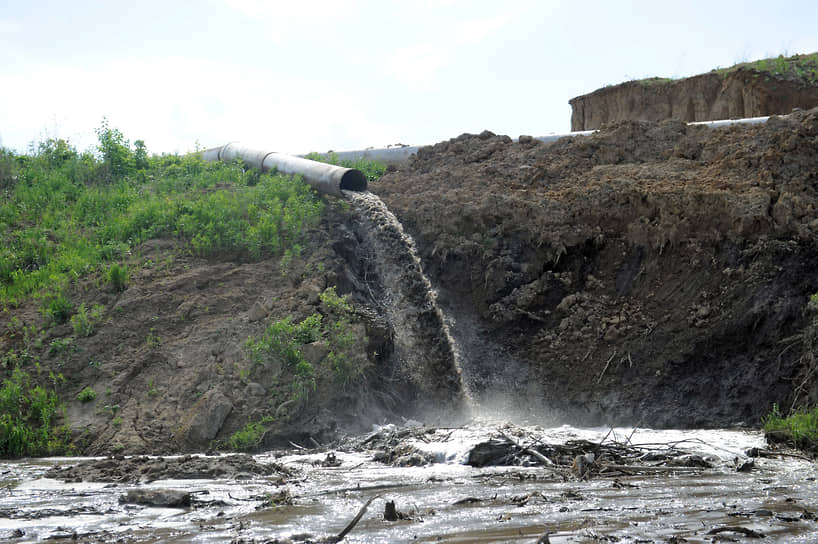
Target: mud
{"points": [[652, 272], [122, 469], [688, 490]]}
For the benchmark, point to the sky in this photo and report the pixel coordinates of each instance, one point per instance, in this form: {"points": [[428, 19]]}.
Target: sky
{"points": [[315, 75]]}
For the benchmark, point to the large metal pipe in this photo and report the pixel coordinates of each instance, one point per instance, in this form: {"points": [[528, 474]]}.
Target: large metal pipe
{"points": [[398, 154], [325, 178]]}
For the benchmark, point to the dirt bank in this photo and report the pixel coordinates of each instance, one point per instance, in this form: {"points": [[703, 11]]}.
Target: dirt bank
{"points": [[170, 367], [742, 93], [653, 273]]}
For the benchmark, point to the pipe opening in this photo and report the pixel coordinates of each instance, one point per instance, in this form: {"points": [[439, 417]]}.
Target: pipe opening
{"points": [[353, 180]]}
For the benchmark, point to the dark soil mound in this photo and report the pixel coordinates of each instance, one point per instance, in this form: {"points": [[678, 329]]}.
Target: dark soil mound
{"points": [[147, 469], [652, 273]]}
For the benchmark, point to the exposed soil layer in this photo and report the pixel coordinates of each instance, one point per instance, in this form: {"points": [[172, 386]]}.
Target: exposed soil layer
{"points": [[744, 92], [652, 273]]}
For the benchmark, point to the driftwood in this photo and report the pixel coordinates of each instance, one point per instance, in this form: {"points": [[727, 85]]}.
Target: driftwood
{"points": [[340, 536], [542, 458], [741, 530]]}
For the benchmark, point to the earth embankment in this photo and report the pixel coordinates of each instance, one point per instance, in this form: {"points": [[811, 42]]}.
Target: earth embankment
{"points": [[652, 273], [741, 93]]}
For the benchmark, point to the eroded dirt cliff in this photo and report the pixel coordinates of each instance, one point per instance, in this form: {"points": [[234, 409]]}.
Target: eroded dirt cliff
{"points": [[741, 93], [652, 273]]}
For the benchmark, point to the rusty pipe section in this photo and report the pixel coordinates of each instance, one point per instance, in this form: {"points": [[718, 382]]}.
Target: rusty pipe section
{"points": [[324, 178]]}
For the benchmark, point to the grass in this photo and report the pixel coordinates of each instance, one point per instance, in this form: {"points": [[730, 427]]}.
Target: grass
{"points": [[800, 427], [283, 341], [69, 215], [86, 395], [28, 415], [249, 436], [798, 67], [373, 170], [65, 214]]}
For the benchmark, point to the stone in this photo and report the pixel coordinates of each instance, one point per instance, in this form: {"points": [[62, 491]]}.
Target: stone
{"points": [[203, 420], [314, 352], [167, 498], [256, 312], [254, 389]]}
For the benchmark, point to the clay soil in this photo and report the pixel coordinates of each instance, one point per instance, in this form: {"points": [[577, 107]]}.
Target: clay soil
{"points": [[653, 273]]}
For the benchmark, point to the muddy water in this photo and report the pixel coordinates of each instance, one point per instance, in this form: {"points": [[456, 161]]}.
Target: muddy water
{"points": [[446, 501]]}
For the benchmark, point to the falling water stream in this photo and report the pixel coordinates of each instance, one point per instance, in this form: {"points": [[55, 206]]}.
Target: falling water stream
{"points": [[445, 500]]}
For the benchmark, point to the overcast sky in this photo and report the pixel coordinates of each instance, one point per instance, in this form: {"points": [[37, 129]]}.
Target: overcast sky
{"points": [[302, 75]]}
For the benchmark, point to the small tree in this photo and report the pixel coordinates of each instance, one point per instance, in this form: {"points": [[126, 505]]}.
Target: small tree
{"points": [[116, 153]]}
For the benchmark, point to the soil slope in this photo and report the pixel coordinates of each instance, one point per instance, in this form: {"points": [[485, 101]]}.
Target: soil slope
{"points": [[170, 366], [652, 273], [741, 93]]}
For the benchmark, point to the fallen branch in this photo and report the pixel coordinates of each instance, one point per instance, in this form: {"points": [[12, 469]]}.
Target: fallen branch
{"points": [[599, 380], [543, 459], [340, 536], [637, 468], [741, 530]]}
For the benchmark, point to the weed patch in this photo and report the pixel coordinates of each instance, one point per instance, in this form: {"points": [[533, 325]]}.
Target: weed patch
{"points": [[67, 214], [249, 436], [27, 419], [283, 342], [799, 428], [373, 170]]}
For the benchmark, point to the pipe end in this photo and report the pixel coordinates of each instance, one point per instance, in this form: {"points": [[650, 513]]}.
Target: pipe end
{"points": [[353, 180]]}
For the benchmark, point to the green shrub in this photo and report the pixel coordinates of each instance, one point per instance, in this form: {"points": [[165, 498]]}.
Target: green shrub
{"points": [[84, 322], [86, 395], [117, 277], [57, 308], [800, 425], [283, 340], [249, 436], [335, 303], [27, 419]]}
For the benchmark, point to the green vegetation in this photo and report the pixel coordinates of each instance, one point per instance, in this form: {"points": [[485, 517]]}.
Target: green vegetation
{"points": [[796, 67], [283, 342], [799, 67], [117, 277], [373, 170], [85, 322], [27, 418], [86, 395], [249, 436], [800, 427], [66, 214]]}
